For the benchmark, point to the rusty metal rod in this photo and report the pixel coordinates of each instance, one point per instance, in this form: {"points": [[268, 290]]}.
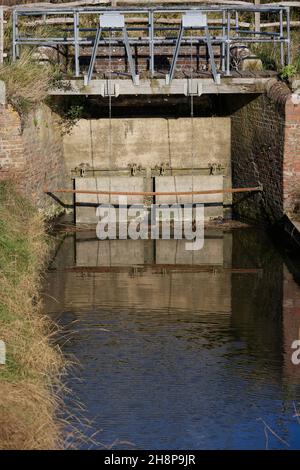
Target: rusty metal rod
{"points": [[159, 267], [155, 193]]}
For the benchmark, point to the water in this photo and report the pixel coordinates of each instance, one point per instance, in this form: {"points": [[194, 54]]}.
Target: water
{"points": [[179, 350]]}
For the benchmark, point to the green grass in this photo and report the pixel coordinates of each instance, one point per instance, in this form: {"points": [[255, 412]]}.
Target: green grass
{"points": [[28, 403], [27, 81]]}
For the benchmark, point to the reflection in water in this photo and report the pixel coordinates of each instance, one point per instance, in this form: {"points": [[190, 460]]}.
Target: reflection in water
{"points": [[180, 350]]}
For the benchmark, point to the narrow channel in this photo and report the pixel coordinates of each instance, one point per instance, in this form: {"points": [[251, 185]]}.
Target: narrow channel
{"points": [[178, 350]]}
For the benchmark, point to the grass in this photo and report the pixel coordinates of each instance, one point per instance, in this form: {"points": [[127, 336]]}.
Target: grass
{"points": [[27, 82], [30, 378]]}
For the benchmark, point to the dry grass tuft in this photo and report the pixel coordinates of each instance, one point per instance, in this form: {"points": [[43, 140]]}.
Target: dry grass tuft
{"points": [[27, 82], [29, 381]]}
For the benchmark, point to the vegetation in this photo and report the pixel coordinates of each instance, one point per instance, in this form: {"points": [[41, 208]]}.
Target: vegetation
{"points": [[29, 380], [288, 72], [27, 82], [69, 118]]}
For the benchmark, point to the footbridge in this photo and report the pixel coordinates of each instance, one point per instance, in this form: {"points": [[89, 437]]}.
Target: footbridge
{"points": [[158, 50]]}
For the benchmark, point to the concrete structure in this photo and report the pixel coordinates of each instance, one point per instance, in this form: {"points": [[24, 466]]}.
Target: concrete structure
{"points": [[158, 87], [148, 142], [193, 150], [31, 152]]}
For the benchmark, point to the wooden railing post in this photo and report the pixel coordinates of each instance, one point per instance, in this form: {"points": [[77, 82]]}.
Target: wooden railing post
{"points": [[1, 35], [257, 17]]}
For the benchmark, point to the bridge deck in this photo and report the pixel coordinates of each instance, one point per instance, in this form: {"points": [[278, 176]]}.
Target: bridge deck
{"points": [[154, 45], [196, 86]]}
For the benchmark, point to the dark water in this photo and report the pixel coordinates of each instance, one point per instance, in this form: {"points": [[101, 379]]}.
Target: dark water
{"points": [[180, 350]]}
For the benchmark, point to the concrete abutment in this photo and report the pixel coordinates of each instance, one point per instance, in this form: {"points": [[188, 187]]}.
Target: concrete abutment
{"points": [[248, 139]]}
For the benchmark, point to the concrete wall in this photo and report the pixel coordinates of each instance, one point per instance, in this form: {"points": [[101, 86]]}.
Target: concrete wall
{"points": [[259, 137], [182, 143], [31, 152], [266, 149], [148, 142]]}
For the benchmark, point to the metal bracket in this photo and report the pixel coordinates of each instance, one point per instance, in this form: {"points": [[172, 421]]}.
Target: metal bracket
{"points": [[110, 89], [193, 88], [193, 20], [135, 169], [214, 168], [112, 21]]}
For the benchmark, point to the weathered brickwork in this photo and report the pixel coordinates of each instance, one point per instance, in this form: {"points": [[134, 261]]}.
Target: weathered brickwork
{"points": [[195, 57], [31, 152], [291, 164], [266, 150]]}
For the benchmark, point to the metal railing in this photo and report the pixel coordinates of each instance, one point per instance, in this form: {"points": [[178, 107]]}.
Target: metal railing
{"points": [[154, 27]]}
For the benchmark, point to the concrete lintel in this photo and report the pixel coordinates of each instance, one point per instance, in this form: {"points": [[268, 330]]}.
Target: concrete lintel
{"points": [[159, 87]]}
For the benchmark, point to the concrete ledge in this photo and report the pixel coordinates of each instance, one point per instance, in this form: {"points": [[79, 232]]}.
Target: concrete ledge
{"points": [[158, 87]]}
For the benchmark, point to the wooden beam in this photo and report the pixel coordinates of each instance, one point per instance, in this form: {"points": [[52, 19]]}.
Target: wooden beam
{"points": [[87, 3], [257, 17]]}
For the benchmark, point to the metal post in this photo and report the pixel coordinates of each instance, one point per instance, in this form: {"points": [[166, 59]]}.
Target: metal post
{"points": [[129, 55], [211, 56], [94, 54], [151, 42], [228, 45], [223, 43], [236, 21], [15, 49], [288, 30], [175, 56], [281, 39], [76, 43]]}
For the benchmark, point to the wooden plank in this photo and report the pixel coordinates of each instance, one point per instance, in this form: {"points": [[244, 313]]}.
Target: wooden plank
{"points": [[284, 4], [87, 3], [132, 20], [293, 24]]}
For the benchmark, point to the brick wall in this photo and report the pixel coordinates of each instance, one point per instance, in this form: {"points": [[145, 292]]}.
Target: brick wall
{"points": [[31, 152], [291, 163], [196, 56], [266, 150]]}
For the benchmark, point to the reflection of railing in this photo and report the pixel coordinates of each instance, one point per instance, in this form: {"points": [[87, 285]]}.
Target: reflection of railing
{"points": [[154, 28]]}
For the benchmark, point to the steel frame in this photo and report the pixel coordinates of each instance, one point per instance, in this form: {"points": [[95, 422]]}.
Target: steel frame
{"points": [[225, 37], [112, 26], [183, 27]]}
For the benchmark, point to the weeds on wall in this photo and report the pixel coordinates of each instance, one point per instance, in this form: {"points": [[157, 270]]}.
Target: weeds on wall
{"points": [[70, 118], [28, 402]]}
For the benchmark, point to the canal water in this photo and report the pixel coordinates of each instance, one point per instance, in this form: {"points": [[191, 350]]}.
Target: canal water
{"points": [[176, 349]]}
